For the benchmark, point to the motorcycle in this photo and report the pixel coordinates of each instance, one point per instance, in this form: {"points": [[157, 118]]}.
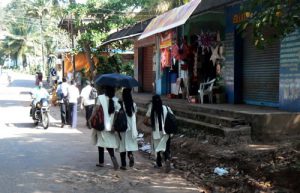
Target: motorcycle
{"points": [[41, 113]]}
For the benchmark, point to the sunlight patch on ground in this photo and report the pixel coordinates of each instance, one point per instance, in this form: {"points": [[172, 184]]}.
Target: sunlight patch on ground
{"points": [[13, 132], [175, 187], [262, 147]]}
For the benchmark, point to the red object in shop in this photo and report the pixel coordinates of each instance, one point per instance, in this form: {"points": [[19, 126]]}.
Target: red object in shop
{"points": [[171, 96], [184, 66]]}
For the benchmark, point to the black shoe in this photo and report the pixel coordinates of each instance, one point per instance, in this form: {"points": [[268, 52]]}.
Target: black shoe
{"points": [[157, 166], [115, 163], [131, 161], [100, 165], [168, 166], [123, 168], [88, 125], [62, 125]]}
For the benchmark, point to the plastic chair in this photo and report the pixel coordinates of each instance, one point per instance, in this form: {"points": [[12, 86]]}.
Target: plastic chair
{"points": [[206, 89]]}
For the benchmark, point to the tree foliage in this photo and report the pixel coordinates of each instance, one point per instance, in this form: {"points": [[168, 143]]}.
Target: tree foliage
{"points": [[28, 25], [281, 17], [95, 19]]}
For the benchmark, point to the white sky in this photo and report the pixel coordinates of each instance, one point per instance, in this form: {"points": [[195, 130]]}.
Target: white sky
{"points": [[78, 1], [5, 2]]}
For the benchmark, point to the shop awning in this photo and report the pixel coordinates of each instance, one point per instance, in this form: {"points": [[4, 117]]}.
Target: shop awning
{"points": [[170, 19]]}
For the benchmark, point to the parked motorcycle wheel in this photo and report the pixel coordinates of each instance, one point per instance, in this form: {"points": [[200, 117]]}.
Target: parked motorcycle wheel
{"points": [[45, 120]]}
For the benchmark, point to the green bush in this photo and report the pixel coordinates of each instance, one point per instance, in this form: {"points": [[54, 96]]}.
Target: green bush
{"points": [[114, 64]]}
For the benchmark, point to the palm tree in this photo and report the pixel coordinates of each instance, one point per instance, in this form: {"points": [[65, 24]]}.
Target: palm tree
{"points": [[47, 12], [19, 41]]}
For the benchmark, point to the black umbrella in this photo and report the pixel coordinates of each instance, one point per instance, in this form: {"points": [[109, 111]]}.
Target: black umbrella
{"points": [[116, 80]]}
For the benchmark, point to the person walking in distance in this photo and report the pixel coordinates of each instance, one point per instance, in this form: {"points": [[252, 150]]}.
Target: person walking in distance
{"points": [[128, 139], [156, 115], [88, 97], [73, 95], [61, 93], [107, 138]]}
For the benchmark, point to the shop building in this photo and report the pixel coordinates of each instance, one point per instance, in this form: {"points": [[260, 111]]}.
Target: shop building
{"points": [[199, 41], [267, 77]]}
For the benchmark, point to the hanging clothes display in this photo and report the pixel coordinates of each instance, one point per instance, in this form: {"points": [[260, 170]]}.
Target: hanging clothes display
{"points": [[165, 58], [195, 66], [175, 52]]}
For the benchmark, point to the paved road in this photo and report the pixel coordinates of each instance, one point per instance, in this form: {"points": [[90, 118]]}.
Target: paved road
{"points": [[34, 160]]}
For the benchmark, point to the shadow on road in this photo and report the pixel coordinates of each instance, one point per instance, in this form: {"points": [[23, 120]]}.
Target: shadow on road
{"points": [[21, 125], [22, 83], [14, 103], [25, 93]]}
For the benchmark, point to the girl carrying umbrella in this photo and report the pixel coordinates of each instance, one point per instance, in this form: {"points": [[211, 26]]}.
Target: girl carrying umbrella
{"points": [[107, 138]]}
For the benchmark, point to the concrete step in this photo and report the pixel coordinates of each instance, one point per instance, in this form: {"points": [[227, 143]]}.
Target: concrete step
{"points": [[196, 108], [209, 118], [213, 118], [211, 129], [193, 127]]}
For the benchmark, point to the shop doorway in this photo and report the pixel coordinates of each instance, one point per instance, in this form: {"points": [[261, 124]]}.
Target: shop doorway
{"points": [[146, 68]]}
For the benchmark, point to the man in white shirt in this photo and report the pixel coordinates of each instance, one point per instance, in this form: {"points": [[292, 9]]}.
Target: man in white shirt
{"points": [[62, 89], [88, 100], [73, 95], [37, 94]]}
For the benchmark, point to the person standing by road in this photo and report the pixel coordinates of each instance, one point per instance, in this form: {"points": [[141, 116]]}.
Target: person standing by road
{"points": [[107, 138], [61, 93], [88, 97], [128, 139], [156, 115], [73, 95]]}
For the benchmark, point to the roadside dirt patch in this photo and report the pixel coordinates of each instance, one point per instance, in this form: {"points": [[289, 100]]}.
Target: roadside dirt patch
{"points": [[256, 167], [272, 167]]}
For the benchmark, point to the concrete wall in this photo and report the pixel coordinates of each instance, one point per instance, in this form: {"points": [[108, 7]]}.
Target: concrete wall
{"points": [[289, 89], [229, 70]]}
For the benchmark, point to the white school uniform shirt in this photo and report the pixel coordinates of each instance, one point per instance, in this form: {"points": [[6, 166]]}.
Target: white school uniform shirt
{"points": [[73, 94], [128, 141], [85, 94], [160, 138], [106, 138]]}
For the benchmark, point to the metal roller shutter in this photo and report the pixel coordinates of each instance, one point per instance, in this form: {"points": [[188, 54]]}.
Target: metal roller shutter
{"points": [[148, 69], [261, 73]]}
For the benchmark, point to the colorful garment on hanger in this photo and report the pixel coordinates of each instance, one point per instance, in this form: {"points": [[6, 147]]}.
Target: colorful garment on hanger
{"points": [[195, 66], [174, 52], [165, 58], [183, 51]]}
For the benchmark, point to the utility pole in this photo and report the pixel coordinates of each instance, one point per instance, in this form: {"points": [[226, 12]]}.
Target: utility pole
{"points": [[72, 38], [73, 56], [42, 41]]}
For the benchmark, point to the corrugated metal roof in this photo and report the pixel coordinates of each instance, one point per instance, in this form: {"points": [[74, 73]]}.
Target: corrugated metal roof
{"points": [[206, 5], [128, 32], [137, 29]]}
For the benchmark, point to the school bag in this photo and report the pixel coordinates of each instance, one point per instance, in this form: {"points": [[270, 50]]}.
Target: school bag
{"points": [[97, 121], [170, 123], [120, 124], [59, 93], [93, 94]]}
